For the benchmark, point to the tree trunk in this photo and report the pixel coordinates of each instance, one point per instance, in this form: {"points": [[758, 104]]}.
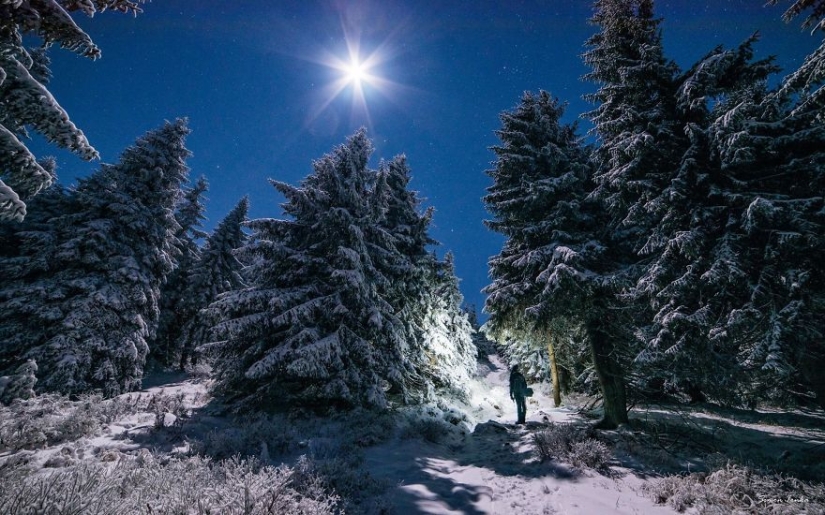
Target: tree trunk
{"points": [[564, 379], [554, 371], [611, 378]]}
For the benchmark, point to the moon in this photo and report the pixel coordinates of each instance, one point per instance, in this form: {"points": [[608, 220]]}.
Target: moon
{"points": [[355, 72]]}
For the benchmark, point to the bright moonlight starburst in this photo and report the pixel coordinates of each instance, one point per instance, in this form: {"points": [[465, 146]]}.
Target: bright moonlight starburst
{"points": [[358, 73], [355, 73]]}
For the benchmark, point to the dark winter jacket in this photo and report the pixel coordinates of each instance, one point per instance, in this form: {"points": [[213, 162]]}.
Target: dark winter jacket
{"points": [[518, 385]]}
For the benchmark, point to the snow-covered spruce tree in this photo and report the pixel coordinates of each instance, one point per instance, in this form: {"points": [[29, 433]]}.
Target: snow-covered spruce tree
{"points": [[422, 290], [26, 103], [539, 169], [701, 269], [444, 353], [636, 124], [541, 177], [805, 90], [189, 214], [400, 239], [635, 120], [95, 303], [638, 145], [808, 81], [772, 147], [312, 327], [333, 312], [216, 271], [26, 264]]}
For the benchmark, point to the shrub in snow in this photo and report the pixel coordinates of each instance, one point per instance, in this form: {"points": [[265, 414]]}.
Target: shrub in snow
{"points": [[589, 453], [161, 406], [557, 440], [146, 485], [46, 420], [434, 423], [571, 443], [344, 475], [51, 419], [363, 427], [736, 489], [428, 429]]}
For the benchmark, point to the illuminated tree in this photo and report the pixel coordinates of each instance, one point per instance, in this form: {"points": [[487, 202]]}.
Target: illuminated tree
{"points": [[312, 326], [422, 290], [338, 309]]}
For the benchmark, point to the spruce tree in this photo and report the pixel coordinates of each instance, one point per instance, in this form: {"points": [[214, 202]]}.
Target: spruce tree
{"points": [[638, 146], [444, 354], [422, 290], [189, 215], [539, 182], [339, 294], [635, 120], [92, 307], [216, 271], [26, 264], [312, 327], [702, 267], [771, 145]]}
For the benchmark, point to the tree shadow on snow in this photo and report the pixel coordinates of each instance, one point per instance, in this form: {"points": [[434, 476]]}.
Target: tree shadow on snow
{"points": [[701, 438], [464, 477], [801, 417], [508, 451], [432, 483]]}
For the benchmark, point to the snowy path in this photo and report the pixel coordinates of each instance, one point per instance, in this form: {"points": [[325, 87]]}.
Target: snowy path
{"points": [[493, 471]]}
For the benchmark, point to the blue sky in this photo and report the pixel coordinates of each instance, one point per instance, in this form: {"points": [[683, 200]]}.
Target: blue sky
{"points": [[250, 77]]}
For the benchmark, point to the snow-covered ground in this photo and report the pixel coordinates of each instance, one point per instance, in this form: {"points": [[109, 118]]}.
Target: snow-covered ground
{"points": [[492, 470], [453, 457]]}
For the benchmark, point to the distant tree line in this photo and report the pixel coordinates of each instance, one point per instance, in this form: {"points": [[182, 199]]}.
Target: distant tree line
{"points": [[681, 252]]}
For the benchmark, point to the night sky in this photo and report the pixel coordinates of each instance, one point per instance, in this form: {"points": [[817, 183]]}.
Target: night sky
{"points": [[254, 79]]}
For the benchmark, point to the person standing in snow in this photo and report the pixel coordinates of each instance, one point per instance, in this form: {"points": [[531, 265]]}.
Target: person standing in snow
{"points": [[518, 392]]}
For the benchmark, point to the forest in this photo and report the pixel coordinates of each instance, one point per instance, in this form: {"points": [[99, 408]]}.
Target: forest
{"points": [[669, 256]]}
